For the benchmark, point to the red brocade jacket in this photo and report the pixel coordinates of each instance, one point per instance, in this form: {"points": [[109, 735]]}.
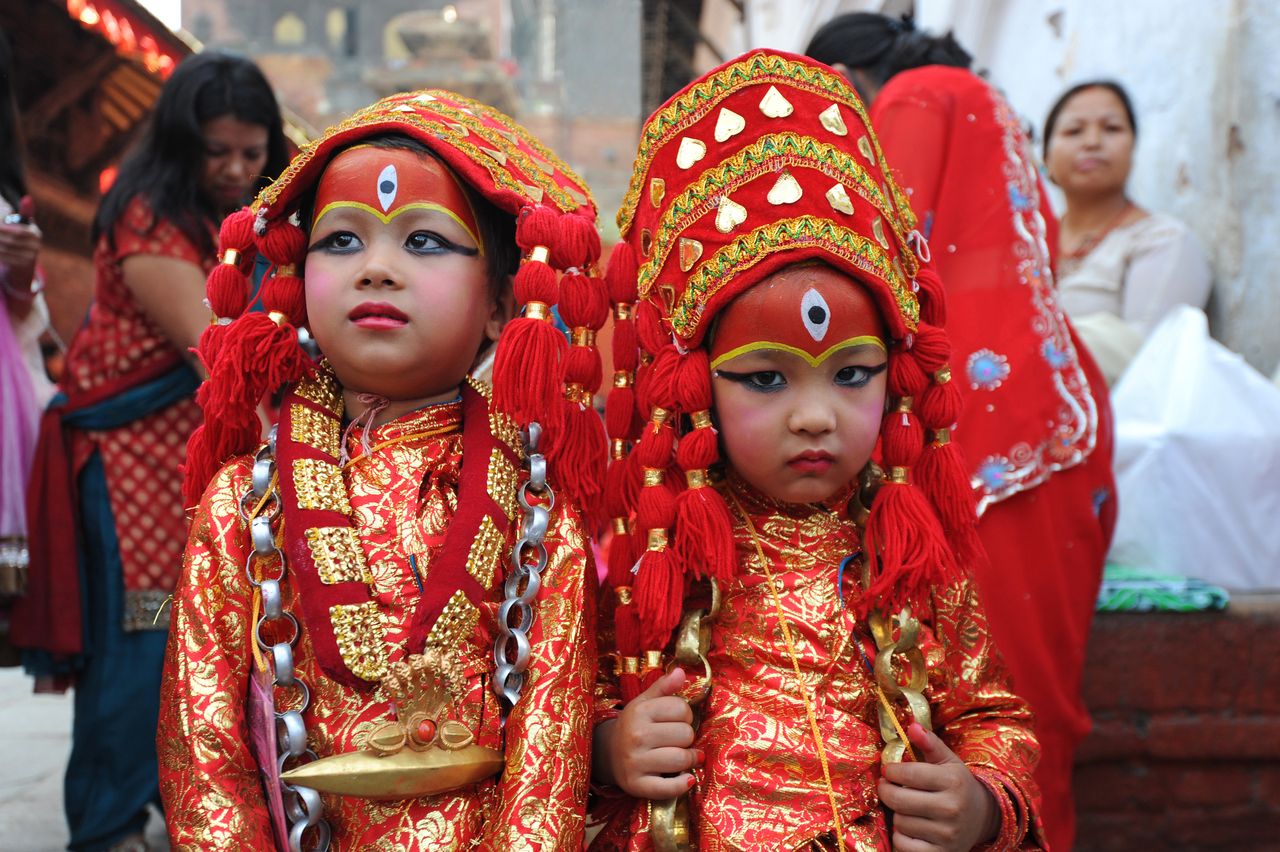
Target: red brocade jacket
{"points": [[403, 495], [762, 786]]}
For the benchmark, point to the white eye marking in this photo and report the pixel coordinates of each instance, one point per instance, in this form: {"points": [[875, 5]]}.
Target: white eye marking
{"points": [[815, 314], [388, 183]]}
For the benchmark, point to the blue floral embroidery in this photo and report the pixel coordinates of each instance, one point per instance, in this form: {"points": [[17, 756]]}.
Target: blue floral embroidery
{"points": [[987, 370], [1056, 357], [993, 471], [1019, 200]]}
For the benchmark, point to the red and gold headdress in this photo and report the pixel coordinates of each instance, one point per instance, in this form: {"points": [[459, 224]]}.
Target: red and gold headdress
{"points": [[538, 375], [764, 162]]}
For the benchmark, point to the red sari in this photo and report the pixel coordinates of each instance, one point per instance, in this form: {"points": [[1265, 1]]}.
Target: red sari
{"points": [[1036, 426]]}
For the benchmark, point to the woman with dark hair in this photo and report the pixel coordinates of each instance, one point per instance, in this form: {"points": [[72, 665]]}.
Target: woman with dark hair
{"points": [[111, 446], [1121, 268], [1035, 428]]}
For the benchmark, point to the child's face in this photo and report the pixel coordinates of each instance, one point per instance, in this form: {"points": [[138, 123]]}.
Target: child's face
{"points": [[798, 380], [397, 285]]}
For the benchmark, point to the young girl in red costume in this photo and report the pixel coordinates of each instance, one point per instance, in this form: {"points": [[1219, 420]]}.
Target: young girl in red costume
{"points": [[829, 678], [380, 638]]}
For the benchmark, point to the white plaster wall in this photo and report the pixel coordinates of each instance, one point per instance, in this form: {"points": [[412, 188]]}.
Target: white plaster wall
{"points": [[1205, 79]]}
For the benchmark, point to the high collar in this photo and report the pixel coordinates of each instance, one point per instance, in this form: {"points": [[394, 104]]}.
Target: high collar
{"points": [[758, 503]]}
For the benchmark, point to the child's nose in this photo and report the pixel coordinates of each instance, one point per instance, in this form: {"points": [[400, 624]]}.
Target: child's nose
{"points": [[379, 270], [812, 415]]}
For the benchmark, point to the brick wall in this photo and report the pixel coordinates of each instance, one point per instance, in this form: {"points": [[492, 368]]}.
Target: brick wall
{"points": [[1185, 751]]}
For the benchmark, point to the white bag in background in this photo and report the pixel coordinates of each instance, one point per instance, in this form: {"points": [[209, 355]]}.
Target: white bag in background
{"points": [[1197, 460]]}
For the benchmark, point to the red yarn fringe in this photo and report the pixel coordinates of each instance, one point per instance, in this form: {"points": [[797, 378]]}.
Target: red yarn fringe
{"points": [[704, 534], [909, 551], [659, 597]]}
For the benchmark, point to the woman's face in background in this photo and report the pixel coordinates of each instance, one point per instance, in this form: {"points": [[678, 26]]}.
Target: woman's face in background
{"points": [[235, 153], [1091, 147]]}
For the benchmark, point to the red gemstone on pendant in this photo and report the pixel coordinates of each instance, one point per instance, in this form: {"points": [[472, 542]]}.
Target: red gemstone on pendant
{"points": [[426, 731]]}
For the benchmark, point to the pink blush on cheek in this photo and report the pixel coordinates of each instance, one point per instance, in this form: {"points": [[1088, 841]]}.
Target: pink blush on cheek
{"points": [[319, 285], [747, 433]]}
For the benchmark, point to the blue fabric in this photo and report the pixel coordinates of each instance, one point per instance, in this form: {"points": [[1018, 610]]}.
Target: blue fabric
{"points": [[120, 410], [112, 774], [135, 403]]}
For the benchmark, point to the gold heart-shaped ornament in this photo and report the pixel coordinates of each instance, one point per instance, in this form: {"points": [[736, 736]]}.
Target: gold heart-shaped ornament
{"points": [[690, 151], [728, 124], [786, 190], [730, 215], [838, 198], [775, 105]]}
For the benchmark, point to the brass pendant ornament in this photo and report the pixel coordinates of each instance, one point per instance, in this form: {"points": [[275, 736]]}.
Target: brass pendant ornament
{"points": [[669, 824], [424, 751]]}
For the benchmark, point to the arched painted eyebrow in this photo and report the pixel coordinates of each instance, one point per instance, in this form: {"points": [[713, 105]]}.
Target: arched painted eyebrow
{"points": [[856, 344]]}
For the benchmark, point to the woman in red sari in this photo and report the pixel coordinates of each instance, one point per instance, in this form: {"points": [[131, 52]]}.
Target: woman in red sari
{"points": [[112, 442], [1036, 425]]}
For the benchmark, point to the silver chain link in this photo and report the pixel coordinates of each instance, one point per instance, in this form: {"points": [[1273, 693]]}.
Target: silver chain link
{"points": [[302, 804], [511, 651]]}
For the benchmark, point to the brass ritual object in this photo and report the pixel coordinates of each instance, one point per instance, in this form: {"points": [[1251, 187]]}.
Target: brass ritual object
{"points": [[669, 818], [904, 655], [421, 752]]}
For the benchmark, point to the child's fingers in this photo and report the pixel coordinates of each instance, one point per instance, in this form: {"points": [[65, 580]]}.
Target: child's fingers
{"points": [[905, 843], [657, 787], [667, 761], [668, 684], [905, 801], [936, 833], [668, 709], [932, 748], [918, 776]]}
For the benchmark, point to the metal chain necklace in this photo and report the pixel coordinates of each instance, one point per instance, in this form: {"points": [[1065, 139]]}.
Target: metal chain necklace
{"points": [[511, 649], [261, 507]]}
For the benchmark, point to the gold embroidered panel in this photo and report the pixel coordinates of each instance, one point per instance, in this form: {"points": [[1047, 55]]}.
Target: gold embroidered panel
{"points": [[322, 389], [337, 554], [456, 623], [314, 429], [502, 482], [358, 631], [319, 485], [486, 551]]}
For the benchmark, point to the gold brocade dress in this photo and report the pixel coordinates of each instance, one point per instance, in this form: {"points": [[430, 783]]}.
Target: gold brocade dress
{"points": [[403, 494], [762, 785]]}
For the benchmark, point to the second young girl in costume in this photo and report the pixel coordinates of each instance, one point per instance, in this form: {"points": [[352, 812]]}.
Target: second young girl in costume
{"points": [[386, 600], [830, 679]]}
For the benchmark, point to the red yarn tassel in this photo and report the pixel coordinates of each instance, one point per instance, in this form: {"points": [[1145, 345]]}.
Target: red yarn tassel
{"points": [[932, 348], [620, 412], [228, 290], [578, 454], [704, 533], [659, 590], [906, 377], [622, 274], [910, 551], [626, 627], [528, 369], [940, 405], [941, 474], [655, 446], [284, 244], [901, 438], [932, 296], [653, 336], [571, 239]]}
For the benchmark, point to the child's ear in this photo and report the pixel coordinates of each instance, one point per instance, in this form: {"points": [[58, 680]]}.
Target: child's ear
{"points": [[502, 309]]}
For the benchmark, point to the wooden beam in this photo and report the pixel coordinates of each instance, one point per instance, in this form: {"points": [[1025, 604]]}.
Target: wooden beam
{"points": [[70, 89]]}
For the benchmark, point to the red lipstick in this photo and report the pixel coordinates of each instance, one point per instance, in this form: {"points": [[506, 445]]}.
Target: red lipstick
{"points": [[378, 315], [812, 461]]}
